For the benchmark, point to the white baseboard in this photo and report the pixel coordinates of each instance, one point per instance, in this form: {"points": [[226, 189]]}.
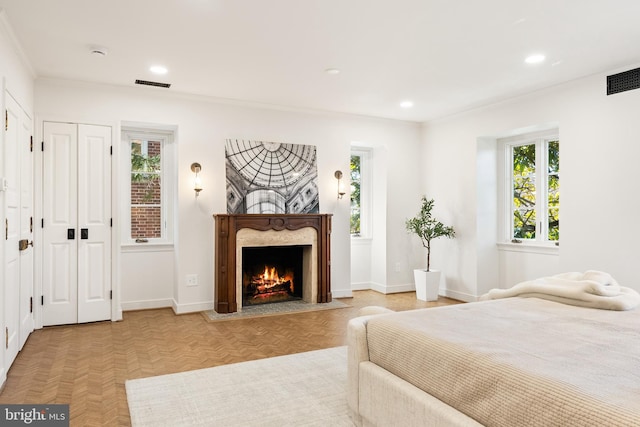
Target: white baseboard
{"points": [[394, 289], [146, 304], [360, 286], [410, 287], [341, 293], [191, 307], [461, 296]]}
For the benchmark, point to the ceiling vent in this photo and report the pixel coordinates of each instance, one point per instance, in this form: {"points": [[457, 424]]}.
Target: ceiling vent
{"points": [[148, 83], [623, 82]]}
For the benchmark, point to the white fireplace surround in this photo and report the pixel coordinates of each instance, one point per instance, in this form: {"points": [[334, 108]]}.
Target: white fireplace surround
{"points": [[306, 237]]}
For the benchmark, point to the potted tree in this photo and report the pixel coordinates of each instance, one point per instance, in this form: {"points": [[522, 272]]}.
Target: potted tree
{"points": [[425, 226]]}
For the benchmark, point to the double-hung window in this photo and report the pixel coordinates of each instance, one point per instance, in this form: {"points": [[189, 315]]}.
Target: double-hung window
{"points": [[150, 186], [532, 178]]}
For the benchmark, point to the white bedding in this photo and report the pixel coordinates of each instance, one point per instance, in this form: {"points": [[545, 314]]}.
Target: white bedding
{"points": [[594, 289]]}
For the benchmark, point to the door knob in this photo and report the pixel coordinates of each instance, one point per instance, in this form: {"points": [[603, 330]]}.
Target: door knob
{"points": [[24, 244]]}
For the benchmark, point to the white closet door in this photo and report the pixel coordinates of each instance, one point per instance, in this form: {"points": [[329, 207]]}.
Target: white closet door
{"points": [[60, 207], [94, 223], [77, 223]]}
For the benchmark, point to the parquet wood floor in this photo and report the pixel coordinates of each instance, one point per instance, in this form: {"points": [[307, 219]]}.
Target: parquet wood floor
{"points": [[87, 365]]}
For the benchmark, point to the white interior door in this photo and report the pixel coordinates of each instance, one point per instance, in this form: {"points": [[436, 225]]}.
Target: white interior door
{"points": [[18, 262], [77, 223], [26, 229], [60, 219], [94, 219], [11, 232]]}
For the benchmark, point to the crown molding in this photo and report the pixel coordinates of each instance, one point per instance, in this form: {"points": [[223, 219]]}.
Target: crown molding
{"points": [[7, 30]]}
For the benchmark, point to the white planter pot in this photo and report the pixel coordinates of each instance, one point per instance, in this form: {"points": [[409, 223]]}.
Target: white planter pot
{"points": [[427, 284]]}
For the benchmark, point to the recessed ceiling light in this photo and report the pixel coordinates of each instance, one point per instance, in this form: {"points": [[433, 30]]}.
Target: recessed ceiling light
{"points": [[535, 59], [158, 69], [332, 71], [406, 104]]}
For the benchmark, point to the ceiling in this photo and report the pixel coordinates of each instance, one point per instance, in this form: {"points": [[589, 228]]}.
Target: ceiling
{"points": [[445, 56]]}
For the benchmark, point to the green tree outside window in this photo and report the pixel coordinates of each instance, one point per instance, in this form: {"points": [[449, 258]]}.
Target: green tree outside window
{"points": [[355, 195]]}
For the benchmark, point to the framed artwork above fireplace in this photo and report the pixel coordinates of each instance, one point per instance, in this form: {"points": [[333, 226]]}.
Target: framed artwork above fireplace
{"points": [[265, 177]]}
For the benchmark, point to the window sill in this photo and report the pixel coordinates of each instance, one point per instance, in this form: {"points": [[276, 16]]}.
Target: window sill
{"points": [[531, 248], [146, 247], [360, 240]]}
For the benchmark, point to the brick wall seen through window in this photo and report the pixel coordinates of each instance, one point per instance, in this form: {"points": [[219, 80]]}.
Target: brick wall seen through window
{"points": [[146, 189]]}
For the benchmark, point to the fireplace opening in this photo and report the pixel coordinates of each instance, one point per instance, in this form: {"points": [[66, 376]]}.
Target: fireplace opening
{"points": [[271, 274]]}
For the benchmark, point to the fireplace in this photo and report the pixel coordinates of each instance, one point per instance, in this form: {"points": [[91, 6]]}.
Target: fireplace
{"points": [[234, 233], [271, 274]]}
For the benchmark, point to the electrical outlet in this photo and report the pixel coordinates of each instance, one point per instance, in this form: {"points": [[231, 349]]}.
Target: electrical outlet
{"points": [[192, 280], [398, 267]]}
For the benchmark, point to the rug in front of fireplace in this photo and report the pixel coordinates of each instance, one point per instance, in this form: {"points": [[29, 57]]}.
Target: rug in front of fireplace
{"points": [[263, 310]]}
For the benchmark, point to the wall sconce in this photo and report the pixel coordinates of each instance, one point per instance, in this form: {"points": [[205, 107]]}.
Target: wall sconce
{"points": [[341, 192], [196, 168]]}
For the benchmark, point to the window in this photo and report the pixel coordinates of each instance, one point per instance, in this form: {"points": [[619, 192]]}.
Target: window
{"points": [[355, 194], [533, 176], [149, 154], [360, 192]]}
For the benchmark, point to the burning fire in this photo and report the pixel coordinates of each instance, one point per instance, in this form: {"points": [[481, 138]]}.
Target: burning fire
{"points": [[270, 275], [270, 279], [268, 285]]}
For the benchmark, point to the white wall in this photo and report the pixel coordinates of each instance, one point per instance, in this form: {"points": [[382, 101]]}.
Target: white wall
{"points": [[16, 78], [203, 125], [518, 264], [600, 145], [15, 67], [379, 212], [361, 264], [385, 262], [147, 278]]}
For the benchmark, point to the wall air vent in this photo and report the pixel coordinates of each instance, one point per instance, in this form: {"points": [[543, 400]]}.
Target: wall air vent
{"points": [[148, 83], [623, 82]]}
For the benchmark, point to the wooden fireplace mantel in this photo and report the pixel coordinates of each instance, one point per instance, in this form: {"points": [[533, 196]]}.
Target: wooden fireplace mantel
{"points": [[226, 227]]}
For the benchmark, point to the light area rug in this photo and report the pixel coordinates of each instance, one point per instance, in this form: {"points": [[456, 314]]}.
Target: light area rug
{"points": [[274, 309], [304, 389]]}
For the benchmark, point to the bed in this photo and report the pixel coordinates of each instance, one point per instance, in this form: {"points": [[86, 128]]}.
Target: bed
{"points": [[505, 362]]}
